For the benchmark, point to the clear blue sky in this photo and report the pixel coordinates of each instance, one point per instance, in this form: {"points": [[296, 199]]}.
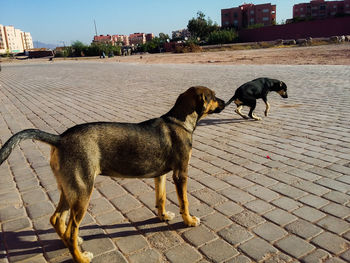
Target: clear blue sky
{"points": [[53, 21]]}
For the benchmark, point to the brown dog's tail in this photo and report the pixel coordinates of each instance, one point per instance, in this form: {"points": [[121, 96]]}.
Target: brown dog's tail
{"points": [[34, 134]]}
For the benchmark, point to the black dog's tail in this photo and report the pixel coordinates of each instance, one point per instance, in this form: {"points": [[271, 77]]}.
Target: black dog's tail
{"points": [[229, 102], [34, 134]]}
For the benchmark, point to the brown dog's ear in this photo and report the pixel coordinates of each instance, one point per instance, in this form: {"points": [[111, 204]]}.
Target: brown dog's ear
{"points": [[201, 102]]}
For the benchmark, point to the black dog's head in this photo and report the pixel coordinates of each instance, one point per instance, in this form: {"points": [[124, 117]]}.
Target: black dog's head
{"points": [[281, 88]]}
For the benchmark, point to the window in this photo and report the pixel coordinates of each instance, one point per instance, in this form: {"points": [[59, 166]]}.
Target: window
{"points": [[322, 7], [235, 15], [252, 20], [266, 10], [251, 12], [265, 18], [235, 22]]}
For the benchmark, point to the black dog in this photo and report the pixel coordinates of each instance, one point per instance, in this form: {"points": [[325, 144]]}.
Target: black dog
{"points": [[248, 93]]}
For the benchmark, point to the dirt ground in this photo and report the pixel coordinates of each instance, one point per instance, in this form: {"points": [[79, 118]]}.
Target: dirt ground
{"points": [[333, 54]]}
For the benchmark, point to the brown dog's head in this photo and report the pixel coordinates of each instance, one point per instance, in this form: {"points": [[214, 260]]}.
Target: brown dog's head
{"points": [[207, 102], [197, 99]]}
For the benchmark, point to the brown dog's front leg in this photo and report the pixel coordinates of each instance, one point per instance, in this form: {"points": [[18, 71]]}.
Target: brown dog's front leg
{"points": [[180, 180], [161, 198]]}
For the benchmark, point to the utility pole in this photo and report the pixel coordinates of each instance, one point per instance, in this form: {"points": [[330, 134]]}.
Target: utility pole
{"points": [[95, 28]]}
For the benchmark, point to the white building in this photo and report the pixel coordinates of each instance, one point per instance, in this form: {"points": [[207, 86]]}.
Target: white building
{"points": [[28, 41], [3, 45], [13, 40]]}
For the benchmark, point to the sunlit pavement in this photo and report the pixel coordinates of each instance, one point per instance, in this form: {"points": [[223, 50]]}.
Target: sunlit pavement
{"points": [[276, 190]]}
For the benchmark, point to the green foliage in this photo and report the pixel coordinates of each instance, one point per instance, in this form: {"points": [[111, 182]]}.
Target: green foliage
{"points": [[155, 45], [201, 27], [222, 37], [79, 49], [209, 32], [96, 49]]}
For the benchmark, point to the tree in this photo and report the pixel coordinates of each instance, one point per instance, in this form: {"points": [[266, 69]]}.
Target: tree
{"points": [[79, 48], [163, 37], [201, 27]]}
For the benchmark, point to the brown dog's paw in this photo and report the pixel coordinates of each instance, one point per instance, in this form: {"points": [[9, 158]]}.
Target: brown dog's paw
{"points": [[87, 256], [80, 240], [167, 216], [192, 221]]}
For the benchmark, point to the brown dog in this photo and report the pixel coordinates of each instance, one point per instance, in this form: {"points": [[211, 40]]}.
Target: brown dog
{"points": [[148, 149]]}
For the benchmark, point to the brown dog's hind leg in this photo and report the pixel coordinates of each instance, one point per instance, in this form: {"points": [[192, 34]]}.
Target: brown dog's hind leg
{"points": [[180, 180], [77, 189], [161, 198], [58, 219], [71, 238]]}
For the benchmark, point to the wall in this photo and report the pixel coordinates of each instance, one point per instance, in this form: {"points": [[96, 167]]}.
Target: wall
{"points": [[318, 28]]}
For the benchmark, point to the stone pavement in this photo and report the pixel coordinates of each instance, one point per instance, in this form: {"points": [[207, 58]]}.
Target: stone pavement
{"points": [[291, 207]]}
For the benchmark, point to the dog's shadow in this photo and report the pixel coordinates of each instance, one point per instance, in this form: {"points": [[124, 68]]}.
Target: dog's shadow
{"points": [[207, 122], [20, 244]]}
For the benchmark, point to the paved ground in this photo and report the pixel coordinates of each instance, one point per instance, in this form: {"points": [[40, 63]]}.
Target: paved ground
{"points": [[293, 206]]}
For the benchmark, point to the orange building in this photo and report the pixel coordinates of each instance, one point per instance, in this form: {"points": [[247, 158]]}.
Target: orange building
{"points": [[247, 15], [321, 9]]}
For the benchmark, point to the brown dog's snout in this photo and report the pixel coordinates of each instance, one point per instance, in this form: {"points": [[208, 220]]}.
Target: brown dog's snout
{"points": [[221, 105]]}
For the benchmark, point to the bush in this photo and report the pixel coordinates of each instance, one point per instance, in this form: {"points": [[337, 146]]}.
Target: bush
{"points": [[222, 37], [188, 47], [79, 49]]}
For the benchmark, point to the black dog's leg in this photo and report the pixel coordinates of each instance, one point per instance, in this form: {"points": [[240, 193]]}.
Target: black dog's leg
{"points": [[267, 106], [238, 111], [252, 106]]}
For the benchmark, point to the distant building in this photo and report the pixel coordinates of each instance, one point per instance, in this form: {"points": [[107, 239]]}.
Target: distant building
{"points": [[13, 40], [3, 45], [124, 39], [103, 39], [132, 39], [149, 37], [137, 38], [181, 34], [247, 15], [28, 41], [318, 9]]}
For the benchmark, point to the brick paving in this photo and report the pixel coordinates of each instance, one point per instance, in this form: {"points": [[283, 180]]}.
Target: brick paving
{"points": [[291, 207]]}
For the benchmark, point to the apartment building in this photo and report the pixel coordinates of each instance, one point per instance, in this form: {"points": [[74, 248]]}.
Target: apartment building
{"points": [[13, 40], [149, 37], [27, 40], [248, 14], [181, 34], [103, 39], [137, 38], [132, 39], [124, 39], [318, 9], [3, 43]]}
